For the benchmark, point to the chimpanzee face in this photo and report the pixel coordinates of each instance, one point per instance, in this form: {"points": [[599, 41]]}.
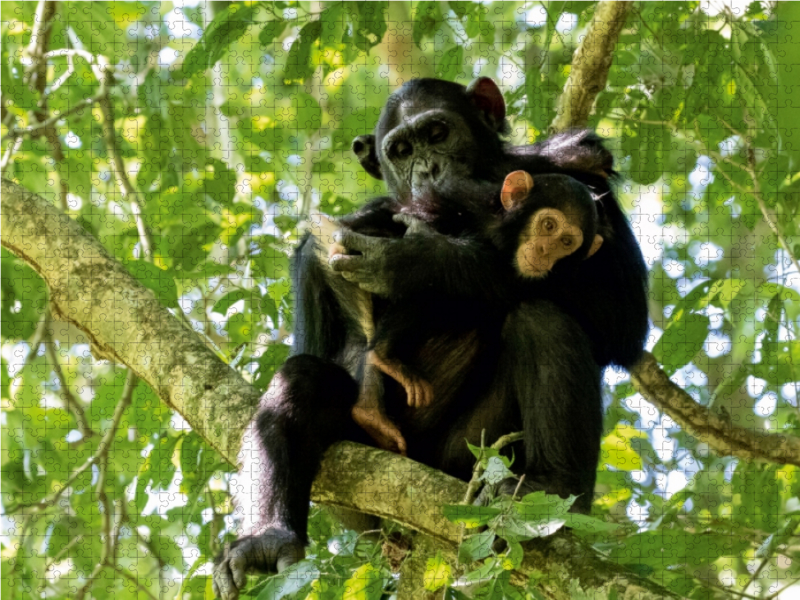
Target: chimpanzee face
{"points": [[427, 147], [555, 218], [549, 236], [432, 133]]}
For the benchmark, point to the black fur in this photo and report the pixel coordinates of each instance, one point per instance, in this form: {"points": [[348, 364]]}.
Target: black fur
{"points": [[531, 368]]}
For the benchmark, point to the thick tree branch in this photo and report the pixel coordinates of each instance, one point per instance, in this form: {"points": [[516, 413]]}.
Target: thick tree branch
{"points": [[126, 323], [590, 65], [722, 436]]}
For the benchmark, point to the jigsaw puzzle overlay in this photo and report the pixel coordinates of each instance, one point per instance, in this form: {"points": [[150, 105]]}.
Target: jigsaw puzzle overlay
{"points": [[441, 392]]}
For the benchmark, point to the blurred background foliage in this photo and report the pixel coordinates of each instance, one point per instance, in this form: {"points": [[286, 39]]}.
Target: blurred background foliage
{"points": [[232, 119]]}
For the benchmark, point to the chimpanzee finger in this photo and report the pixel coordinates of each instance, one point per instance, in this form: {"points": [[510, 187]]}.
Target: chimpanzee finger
{"points": [[358, 241], [415, 225], [426, 393], [343, 263], [411, 395], [404, 219]]}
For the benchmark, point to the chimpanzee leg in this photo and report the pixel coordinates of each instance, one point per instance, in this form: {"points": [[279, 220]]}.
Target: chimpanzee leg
{"points": [[306, 409], [546, 384], [333, 317], [546, 364]]}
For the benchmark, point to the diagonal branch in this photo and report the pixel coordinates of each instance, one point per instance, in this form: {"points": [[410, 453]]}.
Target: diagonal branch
{"points": [[590, 65], [725, 438]]}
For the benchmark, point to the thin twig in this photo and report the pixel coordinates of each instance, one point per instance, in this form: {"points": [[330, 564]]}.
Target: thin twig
{"points": [[132, 578], [102, 448], [478, 469], [519, 485], [36, 78], [71, 52], [772, 225], [118, 166], [38, 336], [72, 404], [23, 131]]}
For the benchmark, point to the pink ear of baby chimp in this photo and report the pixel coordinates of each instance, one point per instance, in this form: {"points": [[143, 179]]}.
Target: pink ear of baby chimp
{"points": [[516, 188]]}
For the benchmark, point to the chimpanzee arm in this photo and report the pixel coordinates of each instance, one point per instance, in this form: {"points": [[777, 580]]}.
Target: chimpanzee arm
{"points": [[465, 267]]}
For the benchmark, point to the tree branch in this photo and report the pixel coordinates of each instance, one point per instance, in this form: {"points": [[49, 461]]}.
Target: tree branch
{"points": [[590, 65], [124, 321], [725, 438]]}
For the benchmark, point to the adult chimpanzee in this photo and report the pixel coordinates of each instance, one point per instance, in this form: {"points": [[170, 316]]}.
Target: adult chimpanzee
{"points": [[539, 373], [433, 132], [550, 231]]}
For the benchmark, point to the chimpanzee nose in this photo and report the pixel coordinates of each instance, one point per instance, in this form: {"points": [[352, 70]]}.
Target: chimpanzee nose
{"points": [[427, 171]]}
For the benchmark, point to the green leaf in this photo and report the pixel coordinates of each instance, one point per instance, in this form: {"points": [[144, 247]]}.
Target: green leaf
{"points": [[298, 62], [309, 112], [682, 340], [490, 569], [471, 516], [240, 327], [289, 581], [268, 364], [580, 522], [782, 366], [427, 18], [512, 559], [451, 63], [672, 547], [14, 87], [365, 584], [271, 31], [223, 304], [476, 547], [437, 573], [370, 26], [227, 27], [514, 528], [496, 471], [617, 451], [168, 550], [160, 281]]}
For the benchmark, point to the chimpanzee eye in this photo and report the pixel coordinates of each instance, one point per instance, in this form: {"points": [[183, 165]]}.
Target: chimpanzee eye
{"points": [[439, 133], [567, 241], [549, 225], [402, 149]]}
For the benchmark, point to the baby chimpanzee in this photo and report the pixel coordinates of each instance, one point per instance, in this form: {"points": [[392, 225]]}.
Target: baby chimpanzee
{"points": [[529, 233]]}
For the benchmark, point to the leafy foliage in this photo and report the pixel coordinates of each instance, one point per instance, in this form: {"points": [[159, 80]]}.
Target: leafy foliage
{"points": [[231, 122]]}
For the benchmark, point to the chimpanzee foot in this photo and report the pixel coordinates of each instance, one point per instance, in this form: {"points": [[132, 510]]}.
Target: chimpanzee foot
{"points": [[385, 433], [272, 551], [423, 393], [419, 392]]}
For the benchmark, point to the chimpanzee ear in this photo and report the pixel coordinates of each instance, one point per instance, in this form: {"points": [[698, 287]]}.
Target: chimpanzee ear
{"points": [[364, 149], [487, 97], [516, 188], [598, 241]]}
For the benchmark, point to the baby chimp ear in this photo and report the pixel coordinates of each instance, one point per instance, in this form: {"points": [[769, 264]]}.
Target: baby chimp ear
{"points": [[598, 241], [516, 188]]}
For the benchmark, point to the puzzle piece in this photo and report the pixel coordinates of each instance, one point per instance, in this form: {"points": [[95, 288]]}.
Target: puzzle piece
{"points": [[198, 143]]}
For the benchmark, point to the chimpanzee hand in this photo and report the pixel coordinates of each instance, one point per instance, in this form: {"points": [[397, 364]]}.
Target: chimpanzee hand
{"points": [[415, 226], [272, 551], [368, 269]]}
